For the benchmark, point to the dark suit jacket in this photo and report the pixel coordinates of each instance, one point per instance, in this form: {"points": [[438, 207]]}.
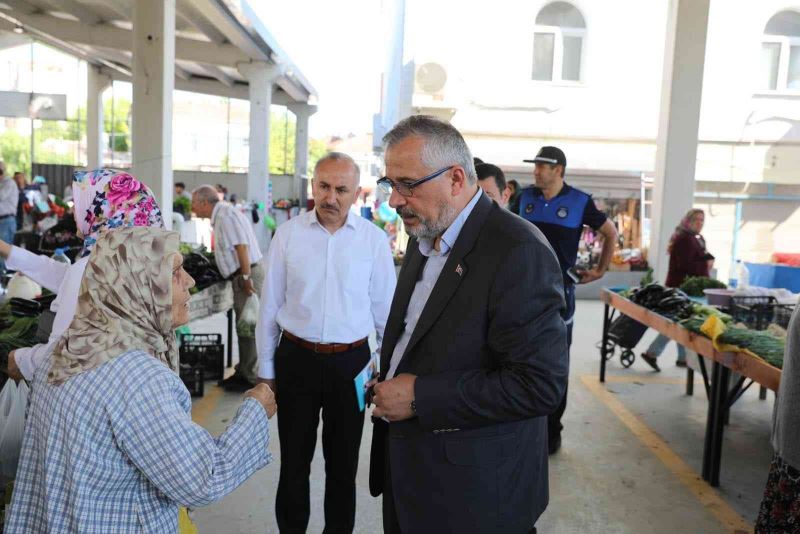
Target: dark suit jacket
{"points": [[490, 354]]}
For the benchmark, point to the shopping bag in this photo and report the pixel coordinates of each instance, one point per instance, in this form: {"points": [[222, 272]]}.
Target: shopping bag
{"points": [[246, 323], [7, 395], [12, 429]]}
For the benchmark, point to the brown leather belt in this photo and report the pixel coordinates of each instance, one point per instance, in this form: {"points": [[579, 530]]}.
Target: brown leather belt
{"points": [[323, 348]]}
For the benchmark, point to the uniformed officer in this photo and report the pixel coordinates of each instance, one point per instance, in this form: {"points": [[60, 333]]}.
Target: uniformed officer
{"points": [[560, 212]]}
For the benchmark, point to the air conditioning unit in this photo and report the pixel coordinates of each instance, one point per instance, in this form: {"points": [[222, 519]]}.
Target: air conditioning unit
{"points": [[430, 82], [430, 79]]}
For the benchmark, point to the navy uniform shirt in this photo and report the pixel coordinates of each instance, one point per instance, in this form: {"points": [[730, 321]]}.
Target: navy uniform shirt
{"points": [[561, 219]]}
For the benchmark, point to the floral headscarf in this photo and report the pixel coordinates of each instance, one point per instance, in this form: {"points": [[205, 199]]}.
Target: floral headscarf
{"points": [[124, 303], [685, 226], [106, 198]]}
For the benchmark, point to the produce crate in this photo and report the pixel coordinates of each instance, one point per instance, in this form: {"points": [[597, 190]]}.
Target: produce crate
{"points": [[215, 299], [206, 350], [783, 313], [758, 312], [192, 377]]}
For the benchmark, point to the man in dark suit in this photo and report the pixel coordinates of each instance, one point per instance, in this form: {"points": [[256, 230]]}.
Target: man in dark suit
{"points": [[474, 353]]}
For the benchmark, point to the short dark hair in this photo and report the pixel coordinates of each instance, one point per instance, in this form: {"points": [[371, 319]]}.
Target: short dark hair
{"points": [[487, 170], [515, 184], [477, 161], [180, 184]]}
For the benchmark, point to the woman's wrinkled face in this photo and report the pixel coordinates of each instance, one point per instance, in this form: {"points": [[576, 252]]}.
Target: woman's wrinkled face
{"points": [[181, 283]]}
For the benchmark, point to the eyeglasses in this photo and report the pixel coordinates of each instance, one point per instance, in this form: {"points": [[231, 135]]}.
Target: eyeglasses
{"points": [[407, 189]]}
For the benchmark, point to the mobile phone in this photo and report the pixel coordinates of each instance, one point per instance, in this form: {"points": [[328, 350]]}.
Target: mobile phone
{"points": [[573, 275]]}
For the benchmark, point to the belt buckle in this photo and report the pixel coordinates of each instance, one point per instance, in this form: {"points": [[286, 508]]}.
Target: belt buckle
{"points": [[316, 347]]}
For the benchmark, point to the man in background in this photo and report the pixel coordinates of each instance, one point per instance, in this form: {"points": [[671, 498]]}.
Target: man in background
{"points": [[180, 191], [329, 284], [19, 179], [238, 257], [493, 182], [9, 200], [561, 211]]}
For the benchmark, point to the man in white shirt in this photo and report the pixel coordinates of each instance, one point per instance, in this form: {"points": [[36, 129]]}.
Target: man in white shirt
{"points": [[238, 257], [9, 197], [330, 281]]}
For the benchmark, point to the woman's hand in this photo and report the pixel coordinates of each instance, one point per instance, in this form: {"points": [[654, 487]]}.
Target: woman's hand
{"points": [[5, 249], [263, 394]]}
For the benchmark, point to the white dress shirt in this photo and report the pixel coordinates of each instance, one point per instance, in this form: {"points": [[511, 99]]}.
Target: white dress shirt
{"points": [[430, 275], [63, 280], [232, 228], [324, 288], [9, 196]]}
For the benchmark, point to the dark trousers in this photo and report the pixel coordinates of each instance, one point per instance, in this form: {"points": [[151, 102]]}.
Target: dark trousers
{"points": [[307, 383], [391, 524], [554, 426]]}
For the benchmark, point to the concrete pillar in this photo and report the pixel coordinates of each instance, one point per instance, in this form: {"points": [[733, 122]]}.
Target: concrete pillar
{"points": [[97, 83], [676, 152], [301, 112], [153, 83], [261, 77]]}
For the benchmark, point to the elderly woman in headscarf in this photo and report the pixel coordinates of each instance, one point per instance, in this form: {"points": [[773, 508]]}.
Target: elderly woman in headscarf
{"points": [[687, 257], [104, 199], [109, 444]]}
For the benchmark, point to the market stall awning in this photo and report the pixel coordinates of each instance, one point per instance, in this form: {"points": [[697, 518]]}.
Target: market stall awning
{"points": [[212, 39]]}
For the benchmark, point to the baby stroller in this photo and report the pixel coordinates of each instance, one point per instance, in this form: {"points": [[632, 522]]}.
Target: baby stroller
{"points": [[624, 333]]}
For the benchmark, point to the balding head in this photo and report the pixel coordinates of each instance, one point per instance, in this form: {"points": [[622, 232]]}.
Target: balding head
{"points": [[204, 198]]}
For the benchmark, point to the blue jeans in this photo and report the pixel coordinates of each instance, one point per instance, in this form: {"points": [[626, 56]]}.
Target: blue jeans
{"points": [[659, 344], [8, 227]]}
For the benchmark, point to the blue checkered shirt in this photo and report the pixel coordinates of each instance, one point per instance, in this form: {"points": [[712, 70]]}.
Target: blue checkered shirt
{"points": [[115, 450]]}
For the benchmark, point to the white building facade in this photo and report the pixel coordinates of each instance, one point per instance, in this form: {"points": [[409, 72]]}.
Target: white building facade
{"points": [[587, 76]]}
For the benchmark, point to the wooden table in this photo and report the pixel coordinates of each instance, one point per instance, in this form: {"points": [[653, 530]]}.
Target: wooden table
{"points": [[721, 395]]}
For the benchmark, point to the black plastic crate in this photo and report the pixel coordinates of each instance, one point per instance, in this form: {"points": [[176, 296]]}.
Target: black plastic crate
{"points": [[206, 350], [783, 313], [192, 377], [756, 312]]}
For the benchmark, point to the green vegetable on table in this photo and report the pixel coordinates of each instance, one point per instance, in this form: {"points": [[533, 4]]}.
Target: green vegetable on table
{"points": [[761, 343], [701, 310], [17, 332], [182, 205], [764, 344], [694, 285]]}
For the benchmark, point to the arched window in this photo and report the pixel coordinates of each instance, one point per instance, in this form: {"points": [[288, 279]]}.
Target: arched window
{"points": [[558, 41], [780, 52]]}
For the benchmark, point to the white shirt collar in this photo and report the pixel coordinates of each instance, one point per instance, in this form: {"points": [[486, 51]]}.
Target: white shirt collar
{"points": [[311, 218]]}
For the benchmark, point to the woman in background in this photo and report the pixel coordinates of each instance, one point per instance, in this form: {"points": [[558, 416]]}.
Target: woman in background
{"points": [[687, 257]]}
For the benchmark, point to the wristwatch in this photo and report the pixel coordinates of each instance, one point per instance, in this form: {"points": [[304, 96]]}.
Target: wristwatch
{"points": [[414, 407], [245, 277]]}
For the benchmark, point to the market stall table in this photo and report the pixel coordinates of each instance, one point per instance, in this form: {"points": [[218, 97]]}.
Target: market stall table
{"points": [[721, 396]]}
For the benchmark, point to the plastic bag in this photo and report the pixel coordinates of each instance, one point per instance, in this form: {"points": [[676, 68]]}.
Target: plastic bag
{"points": [[246, 323], [13, 425]]}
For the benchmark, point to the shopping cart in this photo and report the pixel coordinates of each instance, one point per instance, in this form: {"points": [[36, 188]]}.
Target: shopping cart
{"points": [[624, 333]]}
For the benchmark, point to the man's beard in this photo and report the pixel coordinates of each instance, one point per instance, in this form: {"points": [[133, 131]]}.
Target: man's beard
{"points": [[425, 228]]}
